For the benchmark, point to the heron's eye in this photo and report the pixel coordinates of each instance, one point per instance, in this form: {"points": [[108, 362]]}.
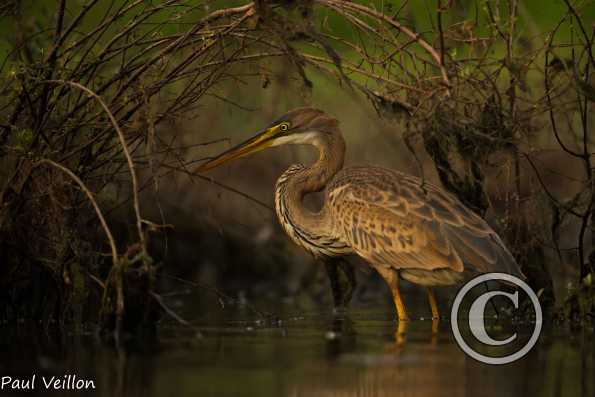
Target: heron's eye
{"points": [[284, 127]]}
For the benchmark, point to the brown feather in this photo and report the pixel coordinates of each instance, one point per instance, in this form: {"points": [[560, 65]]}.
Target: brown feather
{"points": [[393, 219]]}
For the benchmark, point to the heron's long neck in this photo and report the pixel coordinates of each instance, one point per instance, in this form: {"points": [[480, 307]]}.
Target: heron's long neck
{"points": [[298, 181]]}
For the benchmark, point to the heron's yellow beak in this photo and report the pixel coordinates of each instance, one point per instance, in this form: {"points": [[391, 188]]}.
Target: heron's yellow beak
{"points": [[255, 144]]}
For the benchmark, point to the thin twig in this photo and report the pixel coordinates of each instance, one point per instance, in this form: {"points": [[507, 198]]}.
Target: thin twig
{"points": [[413, 35], [84, 188], [136, 202], [172, 313]]}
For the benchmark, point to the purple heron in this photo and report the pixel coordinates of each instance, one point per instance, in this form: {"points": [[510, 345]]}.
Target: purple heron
{"points": [[401, 225]]}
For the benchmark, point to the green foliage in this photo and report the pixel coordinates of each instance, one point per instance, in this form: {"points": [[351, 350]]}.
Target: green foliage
{"points": [[23, 138], [469, 87]]}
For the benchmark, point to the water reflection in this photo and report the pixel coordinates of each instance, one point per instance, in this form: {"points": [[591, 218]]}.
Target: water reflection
{"points": [[307, 355]]}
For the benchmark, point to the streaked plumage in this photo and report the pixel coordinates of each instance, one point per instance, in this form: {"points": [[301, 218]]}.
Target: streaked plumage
{"points": [[398, 223], [398, 220]]}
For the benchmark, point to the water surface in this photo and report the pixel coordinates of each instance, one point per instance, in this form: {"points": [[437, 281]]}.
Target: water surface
{"points": [[305, 354]]}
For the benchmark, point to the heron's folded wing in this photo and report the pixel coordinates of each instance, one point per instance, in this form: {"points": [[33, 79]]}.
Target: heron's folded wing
{"points": [[384, 238], [394, 219]]}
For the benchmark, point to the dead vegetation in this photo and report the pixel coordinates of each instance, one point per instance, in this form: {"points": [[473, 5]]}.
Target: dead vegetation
{"points": [[82, 105]]}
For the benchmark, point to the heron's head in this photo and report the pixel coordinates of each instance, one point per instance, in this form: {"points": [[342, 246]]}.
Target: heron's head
{"points": [[298, 126]]}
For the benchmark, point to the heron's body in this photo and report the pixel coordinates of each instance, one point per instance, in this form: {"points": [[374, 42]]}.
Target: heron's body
{"points": [[400, 224]]}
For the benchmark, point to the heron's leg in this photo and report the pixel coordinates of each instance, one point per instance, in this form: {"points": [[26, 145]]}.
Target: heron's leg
{"points": [[433, 304], [391, 277], [434, 307], [349, 272], [342, 290], [402, 312]]}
